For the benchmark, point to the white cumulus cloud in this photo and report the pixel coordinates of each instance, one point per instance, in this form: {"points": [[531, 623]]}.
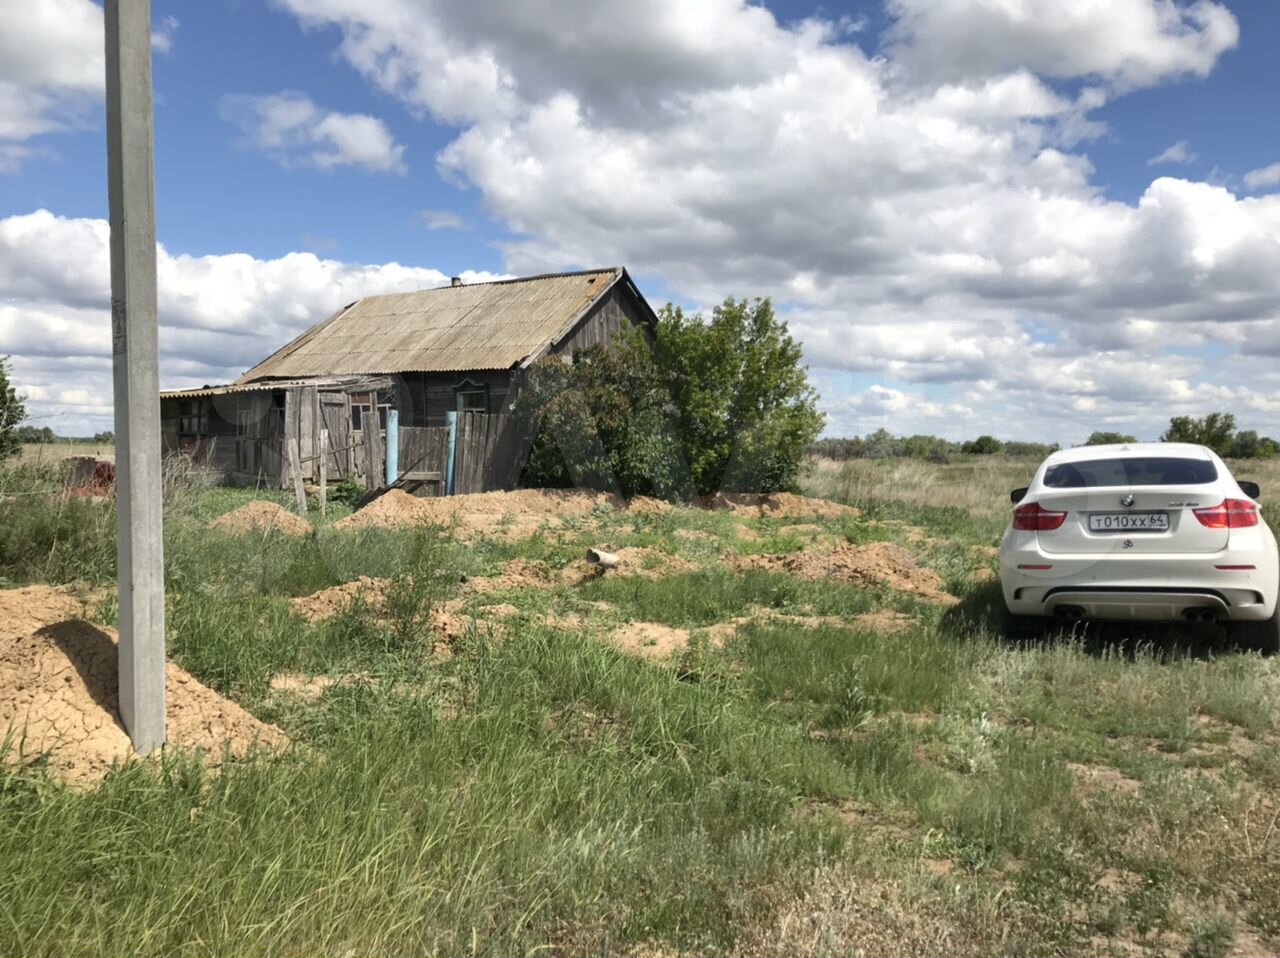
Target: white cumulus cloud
{"points": [[293, 131], [1179, 152], [1263, 178]]}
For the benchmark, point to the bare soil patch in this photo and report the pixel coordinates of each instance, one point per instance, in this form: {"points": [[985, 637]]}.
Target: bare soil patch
{"points": [[263, 517], [644, 505], [311, 687], [696, 535], [23, 611], [58, 694], [777, 505], [887, 621], [518, 513], [650, 640], [518, 574], [327, 603], [1091, 779], [877, 563], [633, 560]]}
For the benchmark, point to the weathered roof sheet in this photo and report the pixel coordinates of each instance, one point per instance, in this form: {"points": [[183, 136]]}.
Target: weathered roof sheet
{"points": [[473, 326], [335, 382]]}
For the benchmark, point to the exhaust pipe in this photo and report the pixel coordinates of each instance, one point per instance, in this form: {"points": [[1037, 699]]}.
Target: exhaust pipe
{"points": [[1202, 616], [1068, 613]]}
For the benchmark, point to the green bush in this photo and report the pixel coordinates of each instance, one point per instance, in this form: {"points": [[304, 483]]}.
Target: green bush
{"points": [[744, 411], [12, 412], [600, 422]]}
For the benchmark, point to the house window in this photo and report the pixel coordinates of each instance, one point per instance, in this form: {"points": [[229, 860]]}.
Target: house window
{"points": [[361, 411], [471, 397], [193, 417]]}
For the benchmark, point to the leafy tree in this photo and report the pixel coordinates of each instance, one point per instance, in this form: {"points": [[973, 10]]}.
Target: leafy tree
{"points": [[12, 412], [35, 434], [1216, 430], [1108, 439], [600, 421], [982, 446], [1029, 450], [743, 409], [104, 437]]}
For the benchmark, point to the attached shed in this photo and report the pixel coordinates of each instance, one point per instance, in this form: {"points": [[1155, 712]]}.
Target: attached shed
{"points": [[463, 348]]}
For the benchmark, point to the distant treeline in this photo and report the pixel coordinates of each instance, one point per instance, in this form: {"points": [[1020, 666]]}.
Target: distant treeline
{"points": [[1217, 431], [43, 434], [882, 444]]}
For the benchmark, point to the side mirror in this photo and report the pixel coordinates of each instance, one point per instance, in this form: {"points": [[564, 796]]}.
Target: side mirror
{"points": [[1250, 489], [1017, 495]]}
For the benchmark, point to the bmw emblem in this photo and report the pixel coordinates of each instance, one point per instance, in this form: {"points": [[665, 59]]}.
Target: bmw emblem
{"points": [[1126, 500]]}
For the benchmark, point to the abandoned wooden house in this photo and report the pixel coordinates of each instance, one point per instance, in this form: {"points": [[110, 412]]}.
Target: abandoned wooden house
{"points": [[411, 387]]}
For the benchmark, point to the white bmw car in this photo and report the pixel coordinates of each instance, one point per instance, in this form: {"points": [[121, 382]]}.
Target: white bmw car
{"points": [[1144, 531]]}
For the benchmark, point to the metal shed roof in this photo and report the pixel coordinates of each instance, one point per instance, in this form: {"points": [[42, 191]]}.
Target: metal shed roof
{"points": [[454, 328]]}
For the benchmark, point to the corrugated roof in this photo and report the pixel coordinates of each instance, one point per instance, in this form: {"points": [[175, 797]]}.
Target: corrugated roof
{"points": [[475, 326], [239, 387]]}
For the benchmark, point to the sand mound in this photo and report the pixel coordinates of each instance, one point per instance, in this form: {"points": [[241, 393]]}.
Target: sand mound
{"points": [[650, 640], [518, 574], [644, 505], [58, 693], [878, 563], [261, 516], [23, 611], [327, 603], [886, 621], [633, 560], [777, 505], [519, 509]]}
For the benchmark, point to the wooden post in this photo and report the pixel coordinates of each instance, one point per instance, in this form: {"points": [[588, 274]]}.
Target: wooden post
{"points": [[324, 468], [372, 451], [131, 200], [295, 469]]}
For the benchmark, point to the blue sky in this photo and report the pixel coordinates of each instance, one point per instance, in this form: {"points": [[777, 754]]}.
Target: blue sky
{"points": [[959, 209]]}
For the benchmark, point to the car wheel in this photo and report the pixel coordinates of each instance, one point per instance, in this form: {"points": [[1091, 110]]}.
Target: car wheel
{"points": [[1020, 628], [1263, 636]]}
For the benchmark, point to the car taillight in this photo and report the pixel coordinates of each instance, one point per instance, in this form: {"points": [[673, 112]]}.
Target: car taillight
{"points": [[1035, 518], [1229, 514]]}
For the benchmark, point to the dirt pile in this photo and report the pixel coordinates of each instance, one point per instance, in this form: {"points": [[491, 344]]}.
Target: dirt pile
{"points": [[776, 505], [877, 563], [516, 513], [644, 505], [23, 611], [649, 639], [263, 517], [633, 560], [518, 574], [58, 693], [335, 600]]}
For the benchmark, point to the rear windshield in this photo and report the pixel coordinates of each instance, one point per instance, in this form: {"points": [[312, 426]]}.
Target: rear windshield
{"points": [[1130, 472]]}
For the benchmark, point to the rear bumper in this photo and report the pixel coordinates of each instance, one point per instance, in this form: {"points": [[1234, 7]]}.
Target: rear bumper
{"points": [[1145, 587]]}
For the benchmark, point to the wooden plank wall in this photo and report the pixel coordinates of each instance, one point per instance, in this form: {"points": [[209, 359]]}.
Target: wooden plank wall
{"points": [[489, 454], [335, 415], [424, 451]]}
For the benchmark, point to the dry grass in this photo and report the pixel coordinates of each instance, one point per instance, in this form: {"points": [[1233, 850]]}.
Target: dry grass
{"points": [[52, 453]]}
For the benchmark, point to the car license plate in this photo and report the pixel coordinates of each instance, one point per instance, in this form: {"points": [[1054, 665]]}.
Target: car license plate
{"points": [[1129, 522]]}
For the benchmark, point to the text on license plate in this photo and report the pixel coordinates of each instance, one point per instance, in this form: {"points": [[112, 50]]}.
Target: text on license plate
{"points": [[1129, 522]]}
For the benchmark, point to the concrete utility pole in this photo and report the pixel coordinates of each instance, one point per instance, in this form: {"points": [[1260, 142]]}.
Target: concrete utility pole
{"points": [[134, 349]]}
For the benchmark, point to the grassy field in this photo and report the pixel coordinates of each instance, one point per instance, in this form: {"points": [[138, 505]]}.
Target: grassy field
{"points": [[805, 784], [45, 453]]}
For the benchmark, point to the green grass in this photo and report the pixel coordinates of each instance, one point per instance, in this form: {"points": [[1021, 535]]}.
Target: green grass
{"points": [[792, 790]]}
